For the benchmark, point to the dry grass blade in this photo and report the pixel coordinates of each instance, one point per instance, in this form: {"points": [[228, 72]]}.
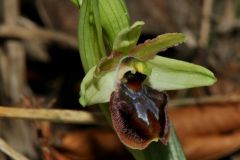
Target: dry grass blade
{"points": [[5, 148], [232, 98]]}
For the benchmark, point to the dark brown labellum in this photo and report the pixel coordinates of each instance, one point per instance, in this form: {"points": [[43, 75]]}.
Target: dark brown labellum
{"points": [[139, 112]]}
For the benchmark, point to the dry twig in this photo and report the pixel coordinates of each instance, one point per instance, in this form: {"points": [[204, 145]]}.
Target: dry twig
{"points": [[37, 33], [16, 52], [205, 24], [55, 115], [228, 18]]}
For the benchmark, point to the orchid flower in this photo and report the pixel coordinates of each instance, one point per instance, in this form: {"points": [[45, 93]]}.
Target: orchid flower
{"points": [[133, 78]]}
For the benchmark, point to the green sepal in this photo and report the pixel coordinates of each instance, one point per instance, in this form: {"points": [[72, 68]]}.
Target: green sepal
{"points": [[127, 38], [95, 91], [171, 74], [144, 51]]}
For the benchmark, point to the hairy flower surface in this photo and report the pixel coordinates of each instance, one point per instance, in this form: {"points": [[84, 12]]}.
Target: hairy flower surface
{"points": [[139, 112]]}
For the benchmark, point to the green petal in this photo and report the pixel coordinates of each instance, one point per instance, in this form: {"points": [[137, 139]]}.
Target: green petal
{"points": [[127, 38], [171, 74], [97, 91], [144, 51], [150, 48], [133, 65], [107, 64]]}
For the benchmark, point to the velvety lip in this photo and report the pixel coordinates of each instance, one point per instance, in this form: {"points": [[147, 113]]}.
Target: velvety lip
{"points": [[139, 115]]}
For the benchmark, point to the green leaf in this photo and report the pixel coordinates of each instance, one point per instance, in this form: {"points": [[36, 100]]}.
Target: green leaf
{"points": [[150, 48], [171, 74], [114, 17], [90, 34], [174, 147], [77, 3], [127, 38]]}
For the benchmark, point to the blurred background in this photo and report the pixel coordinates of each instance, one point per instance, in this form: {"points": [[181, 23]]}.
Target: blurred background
{"points": [[40, 68]]}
